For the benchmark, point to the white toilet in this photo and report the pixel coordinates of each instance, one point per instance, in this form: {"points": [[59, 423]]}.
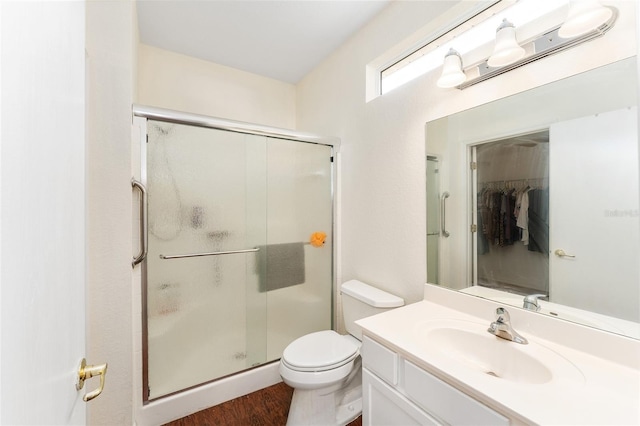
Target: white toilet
{"points": [[324, 367]]}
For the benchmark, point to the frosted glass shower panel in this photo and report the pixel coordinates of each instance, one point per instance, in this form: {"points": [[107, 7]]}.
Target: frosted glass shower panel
{"points": [[207, 194], [299, 274], [231, 276]]}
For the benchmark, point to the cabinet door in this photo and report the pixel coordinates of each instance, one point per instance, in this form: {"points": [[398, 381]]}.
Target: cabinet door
{"points": [[448, 403], [384, 406], [380, 361]]}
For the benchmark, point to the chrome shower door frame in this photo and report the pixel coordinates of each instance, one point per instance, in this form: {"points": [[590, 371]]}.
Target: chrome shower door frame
{"points": [[141, 116]]}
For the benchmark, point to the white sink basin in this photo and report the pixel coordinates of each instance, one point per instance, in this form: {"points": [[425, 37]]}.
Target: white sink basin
{"points": [[469, 346]]}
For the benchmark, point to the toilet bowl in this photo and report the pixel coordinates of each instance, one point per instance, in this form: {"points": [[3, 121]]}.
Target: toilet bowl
{"points": [[318, 359], [324, 367]]}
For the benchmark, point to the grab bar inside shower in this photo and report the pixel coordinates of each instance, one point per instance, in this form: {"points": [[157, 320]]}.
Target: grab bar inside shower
{"points": [[215, 253]]}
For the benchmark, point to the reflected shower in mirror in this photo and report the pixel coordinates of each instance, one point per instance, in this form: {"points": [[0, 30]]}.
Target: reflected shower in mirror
{"points": [[433, 219], [543, 209]]}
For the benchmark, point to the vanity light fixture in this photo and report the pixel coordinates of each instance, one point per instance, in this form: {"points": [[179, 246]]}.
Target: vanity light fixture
{"points": [[586, 20], [507, 50], [584, 16], [452, 74]]}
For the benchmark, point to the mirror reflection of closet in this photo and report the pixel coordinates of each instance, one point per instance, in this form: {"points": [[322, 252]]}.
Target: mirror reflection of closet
{"points": [[511, 207], [594, 232]]}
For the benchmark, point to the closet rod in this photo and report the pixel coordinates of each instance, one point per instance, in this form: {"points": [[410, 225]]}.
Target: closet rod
{"points": [[515, 181]]}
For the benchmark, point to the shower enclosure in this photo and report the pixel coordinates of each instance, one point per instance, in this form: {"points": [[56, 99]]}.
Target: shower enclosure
{"points": [[235, 266], [433, 218]]}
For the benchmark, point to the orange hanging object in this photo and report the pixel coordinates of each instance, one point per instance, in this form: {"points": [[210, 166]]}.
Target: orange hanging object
{"points": [[317, 239]]}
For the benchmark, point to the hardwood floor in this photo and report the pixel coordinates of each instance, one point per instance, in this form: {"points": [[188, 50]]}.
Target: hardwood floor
{"points": [[266, 407]]}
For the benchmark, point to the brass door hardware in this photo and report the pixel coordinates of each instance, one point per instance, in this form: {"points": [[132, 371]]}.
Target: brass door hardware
{"points": [[561, 253], [86, 372]]}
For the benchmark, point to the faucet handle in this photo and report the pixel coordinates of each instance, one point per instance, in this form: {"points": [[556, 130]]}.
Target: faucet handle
{"points": [[531, 301], [502, 315], [502, 328], [535, 297]]}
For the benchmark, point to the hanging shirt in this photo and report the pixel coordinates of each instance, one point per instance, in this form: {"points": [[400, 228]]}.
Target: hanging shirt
{"points": [[539, 220], [523, 217]]}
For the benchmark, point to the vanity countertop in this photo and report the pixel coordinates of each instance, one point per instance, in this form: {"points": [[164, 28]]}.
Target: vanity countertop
{"points": [[597, 390]]}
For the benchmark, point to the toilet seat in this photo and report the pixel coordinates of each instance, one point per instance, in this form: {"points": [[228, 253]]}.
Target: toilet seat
{"points": [[319, 351]]}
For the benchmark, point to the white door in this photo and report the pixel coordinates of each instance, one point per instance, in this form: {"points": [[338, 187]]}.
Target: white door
{"points": [[42, 222], [594, 213]]}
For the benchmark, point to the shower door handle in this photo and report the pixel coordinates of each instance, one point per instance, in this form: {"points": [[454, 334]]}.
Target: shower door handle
{"points": [[443, 214], [143, 222]]}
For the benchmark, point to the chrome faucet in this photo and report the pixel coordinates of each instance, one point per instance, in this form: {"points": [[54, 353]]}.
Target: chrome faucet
{"points": [[531, 302], [501, 327]]}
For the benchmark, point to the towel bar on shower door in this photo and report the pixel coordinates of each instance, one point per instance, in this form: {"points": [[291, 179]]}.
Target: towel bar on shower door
{"points": [[215, 253], [318, 239]]}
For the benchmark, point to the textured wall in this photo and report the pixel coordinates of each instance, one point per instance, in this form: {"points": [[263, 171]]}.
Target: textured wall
{"points": [[110, 46], [179, 82]]}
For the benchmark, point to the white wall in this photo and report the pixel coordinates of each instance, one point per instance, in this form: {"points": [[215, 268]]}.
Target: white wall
{"points": [[111, 41], [170, 80], [383, 153]]}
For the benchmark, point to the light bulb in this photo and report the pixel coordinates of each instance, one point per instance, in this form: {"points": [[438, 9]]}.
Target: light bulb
{"points": [[507, 50], [584, 16], [452, 74]]}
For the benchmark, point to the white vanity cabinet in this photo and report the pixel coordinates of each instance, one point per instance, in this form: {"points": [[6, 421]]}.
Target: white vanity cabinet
{"points": [[398, 392]]}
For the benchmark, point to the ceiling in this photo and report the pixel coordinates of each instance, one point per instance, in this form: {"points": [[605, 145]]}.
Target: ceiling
{"points": [[280, 39]]}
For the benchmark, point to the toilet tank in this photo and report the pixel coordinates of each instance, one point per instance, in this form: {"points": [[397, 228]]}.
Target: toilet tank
{"points": [[360, 300]]}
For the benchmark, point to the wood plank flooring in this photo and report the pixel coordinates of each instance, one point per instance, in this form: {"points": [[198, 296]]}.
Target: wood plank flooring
{"points": [[266, 407]]}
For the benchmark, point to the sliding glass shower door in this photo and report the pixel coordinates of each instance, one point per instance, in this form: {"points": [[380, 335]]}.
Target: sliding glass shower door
{"points": [[230, 276]]}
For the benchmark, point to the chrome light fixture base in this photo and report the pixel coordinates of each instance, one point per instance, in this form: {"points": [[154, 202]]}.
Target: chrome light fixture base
{"points": [[544, 45]]}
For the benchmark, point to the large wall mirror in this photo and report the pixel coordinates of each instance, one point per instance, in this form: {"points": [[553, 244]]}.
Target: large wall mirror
{"points": [[533, 200]]}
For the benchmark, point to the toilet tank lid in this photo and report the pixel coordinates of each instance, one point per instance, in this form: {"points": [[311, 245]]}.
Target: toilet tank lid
{"points": [[371, 295]]}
